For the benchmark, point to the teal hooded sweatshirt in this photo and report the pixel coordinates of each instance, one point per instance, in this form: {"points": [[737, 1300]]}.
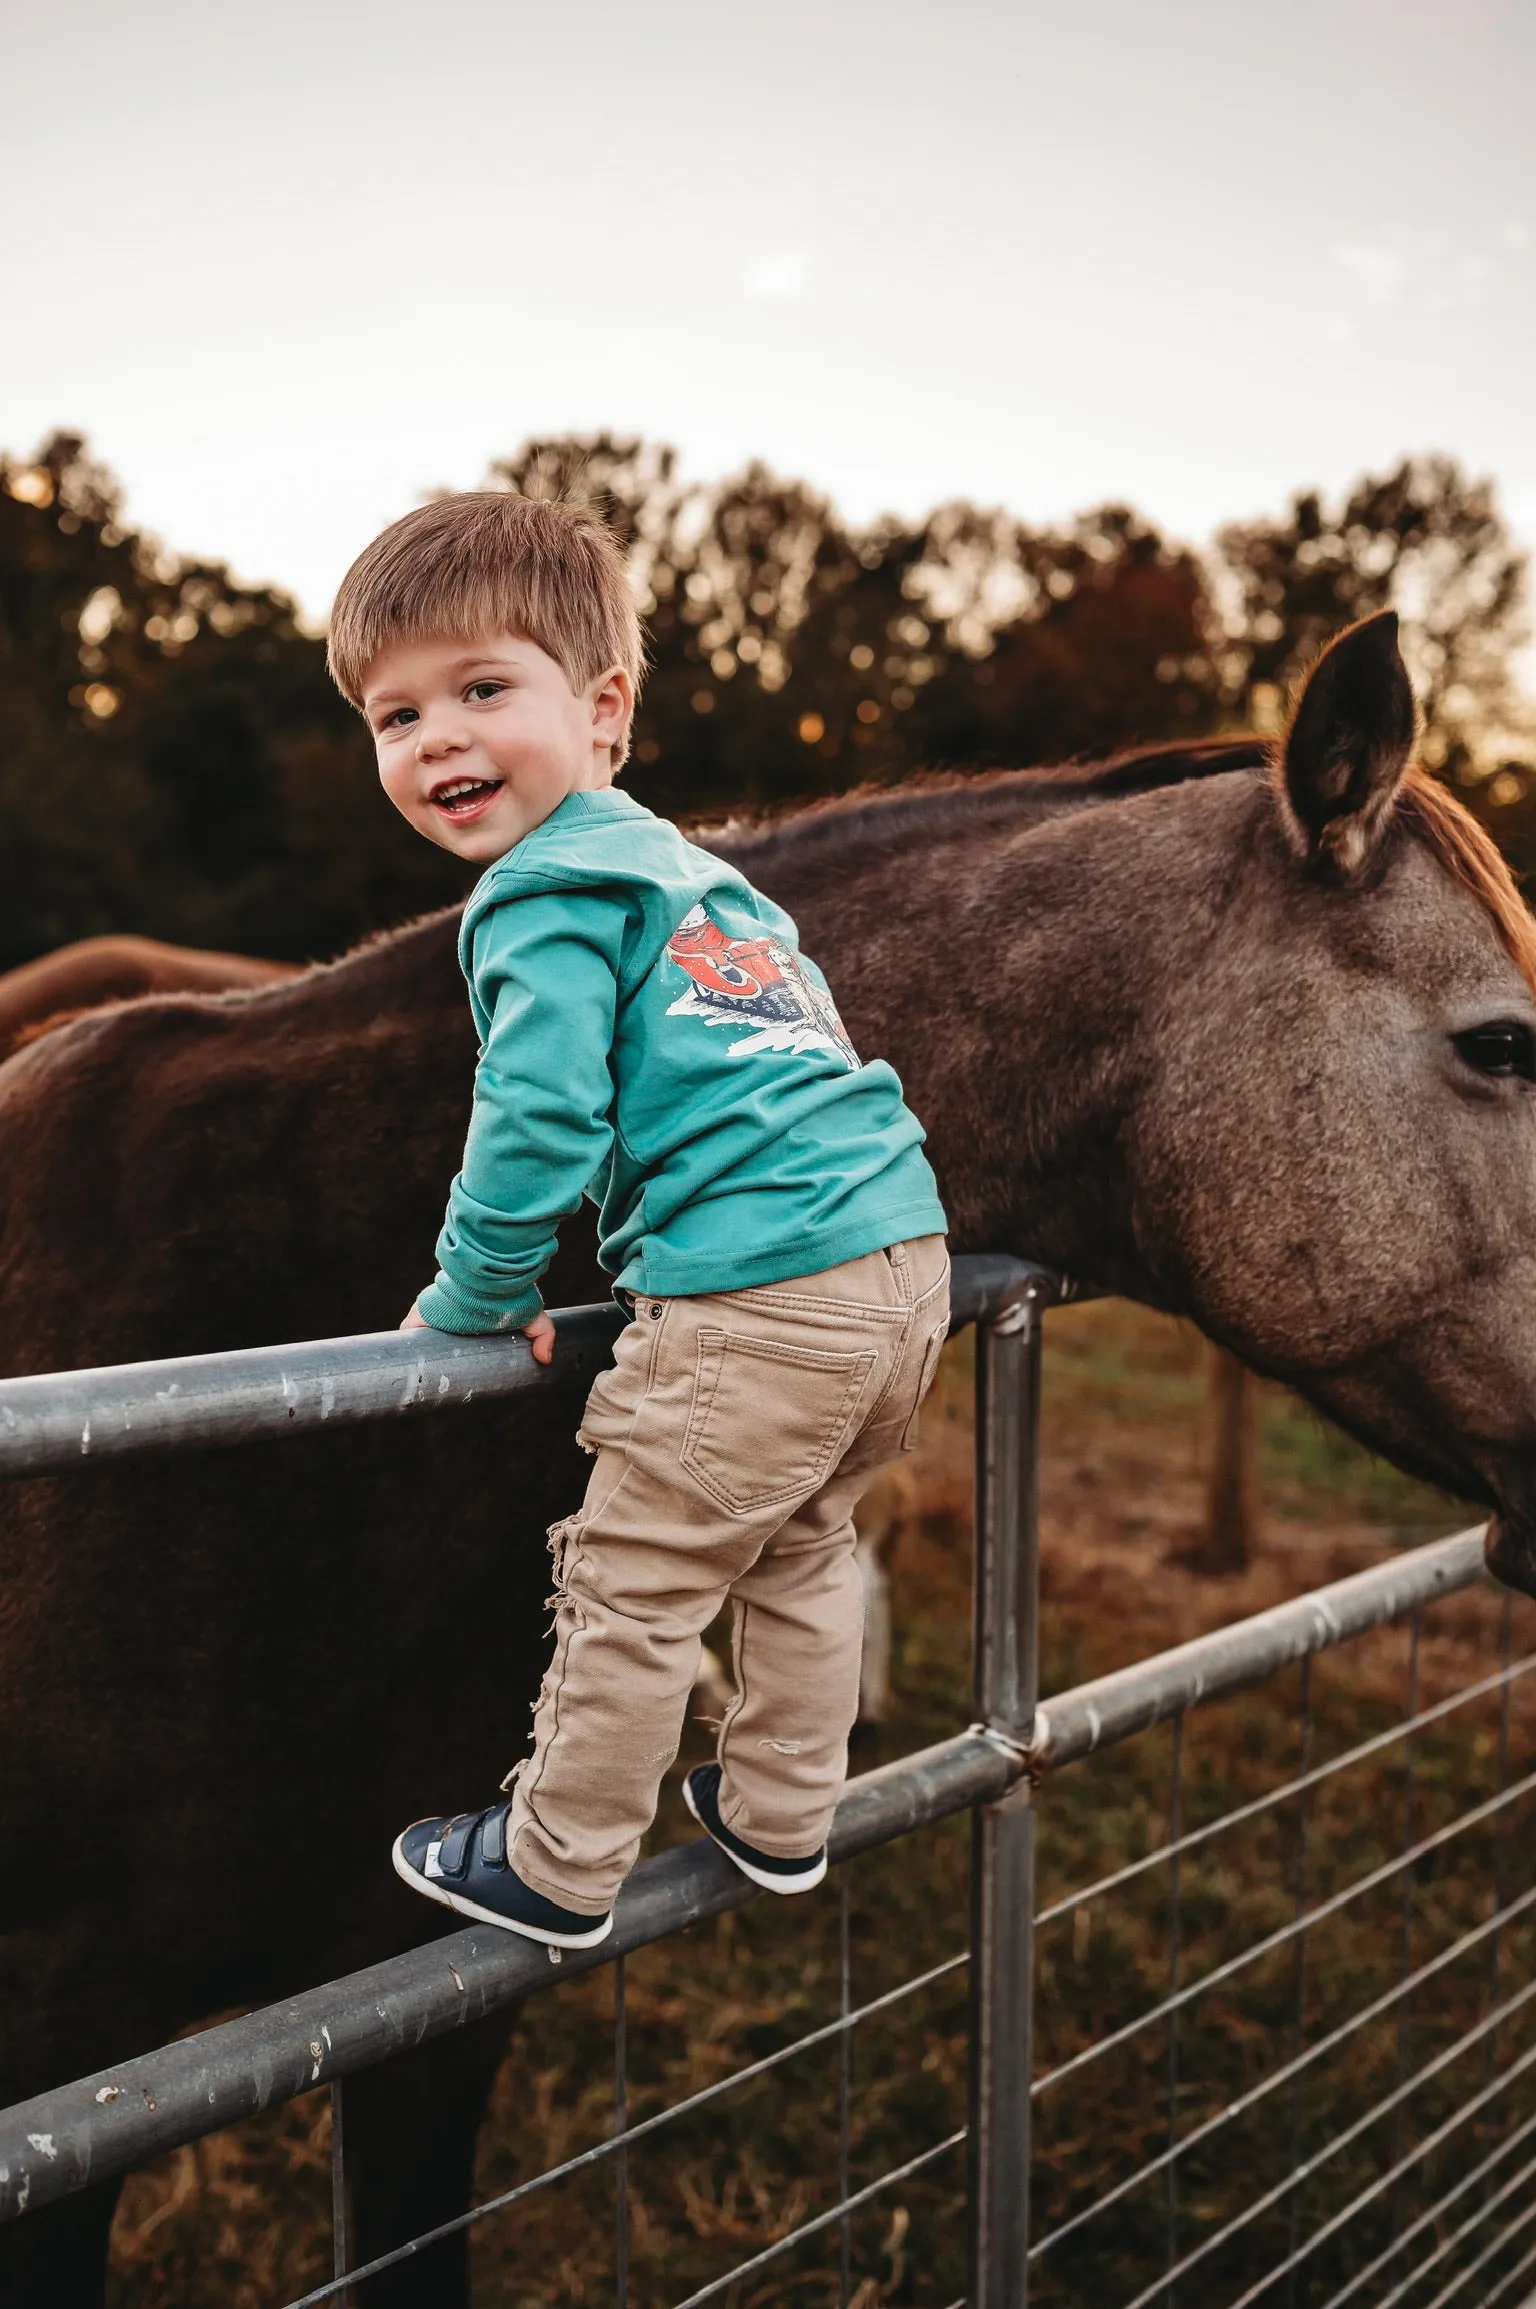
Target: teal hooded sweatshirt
{"points": [[652, 1037]]}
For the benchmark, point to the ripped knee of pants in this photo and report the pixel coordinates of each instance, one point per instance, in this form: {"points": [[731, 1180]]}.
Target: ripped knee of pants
{"points": [[560, 1537]]}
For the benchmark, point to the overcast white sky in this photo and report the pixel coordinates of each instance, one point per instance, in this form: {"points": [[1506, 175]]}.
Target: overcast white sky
{"points": [[289, 266]]}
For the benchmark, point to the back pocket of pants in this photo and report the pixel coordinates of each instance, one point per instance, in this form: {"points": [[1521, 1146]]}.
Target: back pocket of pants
{"points": [[768, 1421]]}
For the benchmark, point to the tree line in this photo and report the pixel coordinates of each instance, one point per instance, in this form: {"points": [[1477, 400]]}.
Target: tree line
{"points": [[175, 761]]}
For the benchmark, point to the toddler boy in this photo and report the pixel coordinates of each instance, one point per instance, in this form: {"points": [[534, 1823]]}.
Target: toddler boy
{"points": [[652, 1037]]}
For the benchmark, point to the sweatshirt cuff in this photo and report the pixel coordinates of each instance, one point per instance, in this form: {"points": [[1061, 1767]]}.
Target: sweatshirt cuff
{"points": [[448, 1309]]}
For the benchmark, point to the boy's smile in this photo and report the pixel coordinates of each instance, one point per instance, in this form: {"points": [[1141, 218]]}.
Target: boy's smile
{"points": [[479, 741], [462, 799]]}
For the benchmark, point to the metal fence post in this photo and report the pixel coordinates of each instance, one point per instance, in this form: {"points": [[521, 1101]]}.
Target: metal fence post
{"points": [[1005, 1675], [341, 2194]]}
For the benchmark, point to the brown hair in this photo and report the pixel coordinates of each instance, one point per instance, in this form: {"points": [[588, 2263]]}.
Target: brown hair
{"points": [[1460, 846], [487, 561]]}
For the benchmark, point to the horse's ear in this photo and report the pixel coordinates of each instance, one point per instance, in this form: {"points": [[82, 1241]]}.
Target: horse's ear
{"points": [[1348, 747]]}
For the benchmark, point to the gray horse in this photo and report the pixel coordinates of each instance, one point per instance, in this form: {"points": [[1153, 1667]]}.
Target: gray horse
{"points": [[1252, 1042]]}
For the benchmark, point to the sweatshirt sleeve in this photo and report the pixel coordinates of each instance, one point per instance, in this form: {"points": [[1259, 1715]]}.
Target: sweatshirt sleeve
{"points": [[546, 974]]}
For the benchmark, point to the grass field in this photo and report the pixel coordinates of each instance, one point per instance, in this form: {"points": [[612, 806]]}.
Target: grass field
{"points": [[242, 2220]]}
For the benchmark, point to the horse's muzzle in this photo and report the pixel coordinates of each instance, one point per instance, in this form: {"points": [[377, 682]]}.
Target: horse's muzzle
{"points": [[1509, 1550]]}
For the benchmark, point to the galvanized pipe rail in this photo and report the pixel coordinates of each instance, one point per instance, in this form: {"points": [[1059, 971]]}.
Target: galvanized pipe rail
{"points": [[125, 1410], [1097, 1715], [102, 2126], [187, 1403], [106, 2124]]}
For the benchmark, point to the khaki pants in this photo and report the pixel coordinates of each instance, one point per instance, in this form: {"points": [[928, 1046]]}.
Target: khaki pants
{"points": [[733, 1436]]}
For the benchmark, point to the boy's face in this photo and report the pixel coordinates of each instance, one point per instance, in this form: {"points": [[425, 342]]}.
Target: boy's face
{"points": [[479, 741]]}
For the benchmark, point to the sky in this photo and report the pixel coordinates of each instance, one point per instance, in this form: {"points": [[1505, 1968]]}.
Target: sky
{"points": [[289, 267]]}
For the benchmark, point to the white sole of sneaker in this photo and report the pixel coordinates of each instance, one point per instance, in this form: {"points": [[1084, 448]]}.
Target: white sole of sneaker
{"points": [[760, 1876], [464, 1907]]}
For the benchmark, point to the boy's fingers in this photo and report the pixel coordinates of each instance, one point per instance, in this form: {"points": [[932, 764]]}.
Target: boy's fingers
{"points": [[540, 1335]]}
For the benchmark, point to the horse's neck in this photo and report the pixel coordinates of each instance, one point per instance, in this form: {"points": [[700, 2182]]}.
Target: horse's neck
{"points": [[1015, 982]]}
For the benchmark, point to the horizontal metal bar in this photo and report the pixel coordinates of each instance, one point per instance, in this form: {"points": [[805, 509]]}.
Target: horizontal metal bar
{"points": [[60, 1418], [1288, 1932], [984, 1284], [1286, 2075], [106, 2124], [835, 2212], [1103, 1885], [741, 2077], [626, 2140], [125, 1409], [1092, 1716]]}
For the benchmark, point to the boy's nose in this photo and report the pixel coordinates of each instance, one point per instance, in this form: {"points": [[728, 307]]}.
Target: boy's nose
{"points": [[434, 740]]}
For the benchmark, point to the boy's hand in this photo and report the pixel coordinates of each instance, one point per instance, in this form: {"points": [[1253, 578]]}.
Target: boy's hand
{"points": [[540, 1333]]}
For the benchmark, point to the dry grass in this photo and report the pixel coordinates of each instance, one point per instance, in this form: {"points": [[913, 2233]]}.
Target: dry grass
{"points": [[242, 2219]]}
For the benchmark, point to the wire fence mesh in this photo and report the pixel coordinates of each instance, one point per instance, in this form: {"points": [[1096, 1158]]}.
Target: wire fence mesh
{"points": [[1287, 2054], [1281, 1979]]}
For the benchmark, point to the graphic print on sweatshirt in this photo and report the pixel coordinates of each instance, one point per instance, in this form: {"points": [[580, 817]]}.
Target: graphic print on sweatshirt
{"points": [[754, 982]]}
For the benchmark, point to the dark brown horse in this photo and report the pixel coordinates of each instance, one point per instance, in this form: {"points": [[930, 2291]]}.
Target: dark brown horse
{"points": [[1256, 1048], [97, 970]]}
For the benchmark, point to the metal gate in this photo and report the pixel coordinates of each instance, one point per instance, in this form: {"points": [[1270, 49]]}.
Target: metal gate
{"points": [[1276, 2135]]}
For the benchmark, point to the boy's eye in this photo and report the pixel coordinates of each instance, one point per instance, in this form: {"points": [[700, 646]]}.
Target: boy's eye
{"points": [[485, 689], [399, 718]]}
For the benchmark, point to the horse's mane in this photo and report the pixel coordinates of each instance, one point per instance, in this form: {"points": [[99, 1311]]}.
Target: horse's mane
{"points": [[1459, 846], [937, 803]]}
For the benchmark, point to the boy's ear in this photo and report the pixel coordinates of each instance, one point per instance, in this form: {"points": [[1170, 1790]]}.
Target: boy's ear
{"points": [[613, 706]]}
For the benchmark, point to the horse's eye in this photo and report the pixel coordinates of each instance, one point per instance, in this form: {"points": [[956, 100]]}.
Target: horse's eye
{"points": [[1506, 1046]]}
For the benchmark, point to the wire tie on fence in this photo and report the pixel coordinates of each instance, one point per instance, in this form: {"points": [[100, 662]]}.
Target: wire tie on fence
{"points": [[1027, 1756]]}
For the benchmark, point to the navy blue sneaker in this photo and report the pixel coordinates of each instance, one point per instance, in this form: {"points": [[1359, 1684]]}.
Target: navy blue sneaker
{"points": [[463, 1863], [701, 1794]]}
